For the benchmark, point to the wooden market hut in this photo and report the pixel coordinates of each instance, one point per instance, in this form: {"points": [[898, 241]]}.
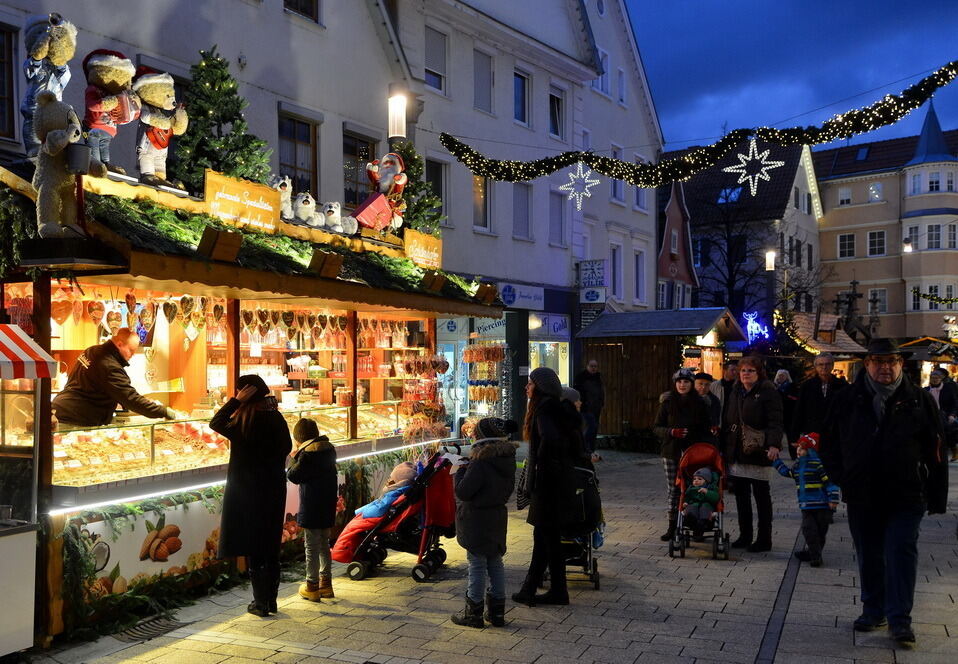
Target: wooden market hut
{"points": [[638, 351]]}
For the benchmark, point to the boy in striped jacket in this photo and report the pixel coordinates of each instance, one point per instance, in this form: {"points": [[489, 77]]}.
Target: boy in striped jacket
{"points": [[817, 497]]}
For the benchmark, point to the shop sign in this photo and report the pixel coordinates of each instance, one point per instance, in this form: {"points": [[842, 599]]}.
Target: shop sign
{"points": [[592, 273], [422, 249], [592, 295], [242, 203], [519, 296], [549, 327], [452, 325], [494, 328]]}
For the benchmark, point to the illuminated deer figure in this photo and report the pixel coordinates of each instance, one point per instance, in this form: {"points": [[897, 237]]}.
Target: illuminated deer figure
{"points": [[753, 329]]}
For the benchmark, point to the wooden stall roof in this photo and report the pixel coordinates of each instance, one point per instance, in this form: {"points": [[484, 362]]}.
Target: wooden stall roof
{"points": [[673, 322], [830, 337]]}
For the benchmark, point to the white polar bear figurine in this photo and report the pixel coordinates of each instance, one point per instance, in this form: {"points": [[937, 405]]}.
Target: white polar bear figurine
{"points": [[304, 210], [284, 186], [335, 221]]}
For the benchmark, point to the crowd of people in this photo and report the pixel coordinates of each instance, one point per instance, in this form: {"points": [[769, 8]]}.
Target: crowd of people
{"points": [[880, 443]]}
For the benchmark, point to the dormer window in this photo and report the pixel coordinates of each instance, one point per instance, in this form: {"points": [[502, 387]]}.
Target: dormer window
{"points": [[862, 153], [729, 195]]}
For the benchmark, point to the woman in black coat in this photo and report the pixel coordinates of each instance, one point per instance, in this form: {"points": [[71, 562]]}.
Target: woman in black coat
{"points": [[754, 403], [254, 502], [555, 445], [683, 419]]}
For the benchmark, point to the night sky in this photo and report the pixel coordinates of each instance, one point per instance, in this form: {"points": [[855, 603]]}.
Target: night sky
{"points": [[762, 62]]}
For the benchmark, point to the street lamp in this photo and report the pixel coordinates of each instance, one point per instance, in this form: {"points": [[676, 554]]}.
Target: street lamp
{"points": [[906, 246], [770, 260], [397, 112]]}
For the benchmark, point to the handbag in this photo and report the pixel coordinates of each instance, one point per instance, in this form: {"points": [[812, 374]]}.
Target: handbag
{"points": [[753, 440], [522, 498]]}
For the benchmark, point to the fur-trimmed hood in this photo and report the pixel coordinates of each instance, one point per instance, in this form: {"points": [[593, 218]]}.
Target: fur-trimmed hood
{"points": [[487, 448]]}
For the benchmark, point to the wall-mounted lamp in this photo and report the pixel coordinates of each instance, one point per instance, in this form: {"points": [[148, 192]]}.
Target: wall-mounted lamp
{"points": [[770, 260], [397, 111], [906, 246]]}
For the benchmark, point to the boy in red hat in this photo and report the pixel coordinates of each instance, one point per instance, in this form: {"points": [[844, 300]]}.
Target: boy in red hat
{"points": [[817, 497]]}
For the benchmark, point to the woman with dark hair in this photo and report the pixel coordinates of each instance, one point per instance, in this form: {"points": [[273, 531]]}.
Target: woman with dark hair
{"points": [[683, 419], [254, 502], [752, 434], [555, 444]]}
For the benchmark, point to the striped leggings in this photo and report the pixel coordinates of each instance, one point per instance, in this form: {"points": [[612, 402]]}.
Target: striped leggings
{"points": [[671, 468]]}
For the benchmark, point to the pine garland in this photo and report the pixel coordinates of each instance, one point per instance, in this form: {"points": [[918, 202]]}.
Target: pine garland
{"points": [[934, 298], [886, 111], [423, 205], [17, 223]]}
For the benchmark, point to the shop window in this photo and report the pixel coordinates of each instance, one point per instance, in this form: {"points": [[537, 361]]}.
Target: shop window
{"points": [[311, 9], [357, 152], [640, 276], [556, 112], [7, 76], [934, 236], [482, 81], [846, 245], [480, 203], [618, 186], [435, 174], [297, 153], [521, 211], [844, 195], [601, 83], [557, 224], [520, 97], [878, 300], [435, 69], [876, 243]]}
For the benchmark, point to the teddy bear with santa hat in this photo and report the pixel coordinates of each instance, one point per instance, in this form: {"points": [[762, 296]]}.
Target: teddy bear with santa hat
{"points": [[388, 177]]}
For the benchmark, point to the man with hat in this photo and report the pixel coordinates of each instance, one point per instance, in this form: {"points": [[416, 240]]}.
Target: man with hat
{"points": [[883, 445]]}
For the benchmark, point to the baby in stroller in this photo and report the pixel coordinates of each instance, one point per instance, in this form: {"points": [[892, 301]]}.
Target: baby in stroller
{"points": [[700, 478], [701, 500]]}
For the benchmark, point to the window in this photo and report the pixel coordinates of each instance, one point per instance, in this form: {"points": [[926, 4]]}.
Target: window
{"points": [[586, 140], [916, 183], [480, 203], [556, 112], [557, 208], [662, 295], [357, 152], [913, 236], [950, 295], [795, 195], [701, 252], [307, 8], [953, 236], [808, 203], [862, 153], [7, 77], [932, 305], [876, 243], [521, 210], [602, 83], [846, 245], [435, 174], [729, 195], [435, 60], [640, 276], [618, 187], [677, 302], [875, 192], [934, 181], [950, 181], [844, 195], [934, 236], [915, 301], [809, 257], [297, 154], [639, 202], [620, 86], [482, 81], [878, 300], [615, 270], [674, 242], [520, 100]]}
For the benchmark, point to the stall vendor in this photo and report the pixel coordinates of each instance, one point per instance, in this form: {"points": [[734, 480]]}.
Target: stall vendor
{"points": [[98, 382]]}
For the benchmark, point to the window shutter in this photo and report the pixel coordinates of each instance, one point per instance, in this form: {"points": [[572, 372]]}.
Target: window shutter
{"points": [[435, 51], [482, 65]]}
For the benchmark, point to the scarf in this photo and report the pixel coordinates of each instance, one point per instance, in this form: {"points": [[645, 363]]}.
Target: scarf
{"points": [[881, 392]]}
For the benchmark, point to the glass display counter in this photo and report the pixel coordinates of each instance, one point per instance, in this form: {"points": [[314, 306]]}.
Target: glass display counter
{"points": [[16, 415]]}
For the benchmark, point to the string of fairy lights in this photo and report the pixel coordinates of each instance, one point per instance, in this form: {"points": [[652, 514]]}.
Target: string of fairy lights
{"points": [[887, 110]]}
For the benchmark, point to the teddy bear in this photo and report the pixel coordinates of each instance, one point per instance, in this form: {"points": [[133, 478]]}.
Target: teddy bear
{"points": [[304, 208], [335, 221], [284, 186], [56, 126], [50, 44], [388, 177], [160, 120], [110, 101]]}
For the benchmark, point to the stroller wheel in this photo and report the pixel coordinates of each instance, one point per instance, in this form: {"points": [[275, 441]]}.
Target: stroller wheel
{"points": [[421, 572], [595, 573], [356, 570], [682, 548], [725, 546], [715, 548], [440, 556], [378, 555], [671, 549]]}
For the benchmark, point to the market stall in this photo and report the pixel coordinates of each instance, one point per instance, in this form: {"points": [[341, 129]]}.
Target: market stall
{"points": [[821, 333]]}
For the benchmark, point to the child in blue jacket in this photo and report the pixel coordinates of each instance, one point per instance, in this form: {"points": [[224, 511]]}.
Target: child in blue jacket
{"points": [[817, 497]]}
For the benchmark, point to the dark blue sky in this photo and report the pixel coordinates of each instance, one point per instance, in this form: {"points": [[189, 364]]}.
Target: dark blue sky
{"points": [[759, 62]]}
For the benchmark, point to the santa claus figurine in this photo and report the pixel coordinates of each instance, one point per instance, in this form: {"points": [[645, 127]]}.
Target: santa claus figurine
{"points": [[388, 178]]}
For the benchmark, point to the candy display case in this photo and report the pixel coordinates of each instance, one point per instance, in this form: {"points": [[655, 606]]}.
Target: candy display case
{"points": [[333, 421], [378, 420], [17, 411]]}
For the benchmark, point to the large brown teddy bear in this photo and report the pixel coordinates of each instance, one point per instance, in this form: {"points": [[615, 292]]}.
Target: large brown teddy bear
{"points": [[160, 120], [110, 101], [50, 43], [57, 125]]}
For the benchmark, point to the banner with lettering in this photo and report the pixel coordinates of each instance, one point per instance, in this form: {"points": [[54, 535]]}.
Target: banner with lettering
{"points": [[242, 203], [423, 250]]}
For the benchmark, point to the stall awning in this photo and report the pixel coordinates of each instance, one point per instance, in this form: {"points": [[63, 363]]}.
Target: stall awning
{"points": [[674, 322], [21, 357]]}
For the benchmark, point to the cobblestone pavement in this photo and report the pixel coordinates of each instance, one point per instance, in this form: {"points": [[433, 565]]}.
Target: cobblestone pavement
{"points": [[651, 608]]}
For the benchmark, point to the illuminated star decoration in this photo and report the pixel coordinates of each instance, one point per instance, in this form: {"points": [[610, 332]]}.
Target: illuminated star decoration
{"points": [[579, 185], [746, 169]]}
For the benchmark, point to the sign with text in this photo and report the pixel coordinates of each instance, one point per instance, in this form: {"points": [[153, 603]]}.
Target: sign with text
{"points": [[423, 250], [592, 295], [242, 203], [549, 327], [519, 296], [592, 273]]}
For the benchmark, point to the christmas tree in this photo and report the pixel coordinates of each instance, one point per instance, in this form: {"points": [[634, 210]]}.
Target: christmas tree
{"points": [[423, 205], [218, 136]]}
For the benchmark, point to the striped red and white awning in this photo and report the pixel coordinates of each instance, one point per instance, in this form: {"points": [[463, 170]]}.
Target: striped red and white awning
{"points": [[21, 357]]}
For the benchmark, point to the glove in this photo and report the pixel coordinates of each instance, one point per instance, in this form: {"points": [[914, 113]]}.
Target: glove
{"points": [[678, 433]]}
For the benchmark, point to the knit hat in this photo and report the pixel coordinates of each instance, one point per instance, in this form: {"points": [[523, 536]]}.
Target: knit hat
{"points": [[809, 441], [683, 374], [495, 427], [571, 394], [105, 57], [705, 473], [262, 390], [546, 381], [149, 76], [704, 376]]}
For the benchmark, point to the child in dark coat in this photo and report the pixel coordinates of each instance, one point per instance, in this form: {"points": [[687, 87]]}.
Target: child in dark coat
{"points": [[483, 486], [701, 500], [314, 470]]}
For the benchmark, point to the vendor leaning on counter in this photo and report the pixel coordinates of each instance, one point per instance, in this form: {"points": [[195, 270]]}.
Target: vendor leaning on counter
{"points": [[97, 383]]}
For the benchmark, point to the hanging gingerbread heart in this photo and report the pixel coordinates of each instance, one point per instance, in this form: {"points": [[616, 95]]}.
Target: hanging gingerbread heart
{"points": [[147, 317], [248, 318], [131, 320], [311, 320], [204, 304], [77, 310], [291, 334], [263, 329], [301, 320], [342, 322], [186, 305], [130, 300], [169, 310], [262, 315], [61, 310], [274, 317], [288, 318], [218, 311], [95, 311], [198, 319], [317, 333]]}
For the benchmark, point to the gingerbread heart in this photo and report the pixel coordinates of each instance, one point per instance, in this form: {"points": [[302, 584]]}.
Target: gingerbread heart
{"points": [[77, 310], [95, 310], [186, 305], [130, 300], [291, 334], [218, 311], [61, 310], [204, 304], [263, 329], [131, 320], [288, 318], [169, 310], [311, 320], [274, 317], [301, 320], [262, 315]]}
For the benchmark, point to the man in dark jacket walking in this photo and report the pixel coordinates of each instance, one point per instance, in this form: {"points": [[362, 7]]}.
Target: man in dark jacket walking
{"points": [[946, 396], [98, 382], [815, 395], [882, 445], [589, 385]]}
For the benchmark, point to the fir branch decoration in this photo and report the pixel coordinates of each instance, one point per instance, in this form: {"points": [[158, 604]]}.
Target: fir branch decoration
{"points": [[423, 205], [18, 222], [218, 136]]}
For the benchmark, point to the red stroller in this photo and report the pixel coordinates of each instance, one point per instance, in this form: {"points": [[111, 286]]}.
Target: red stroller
{"points": [[413, 523], [700, 455]]}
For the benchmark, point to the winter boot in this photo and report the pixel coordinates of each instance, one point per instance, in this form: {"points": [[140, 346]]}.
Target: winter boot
{"points": [[495, 610], [326, 587], [527, 593], [272, 586], [470, 616], [259, 606], [310, 590], [763, 542], [670, 533]]}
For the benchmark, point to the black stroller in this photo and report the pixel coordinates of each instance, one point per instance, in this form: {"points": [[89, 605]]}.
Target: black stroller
{"points": [[584, 536]]}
